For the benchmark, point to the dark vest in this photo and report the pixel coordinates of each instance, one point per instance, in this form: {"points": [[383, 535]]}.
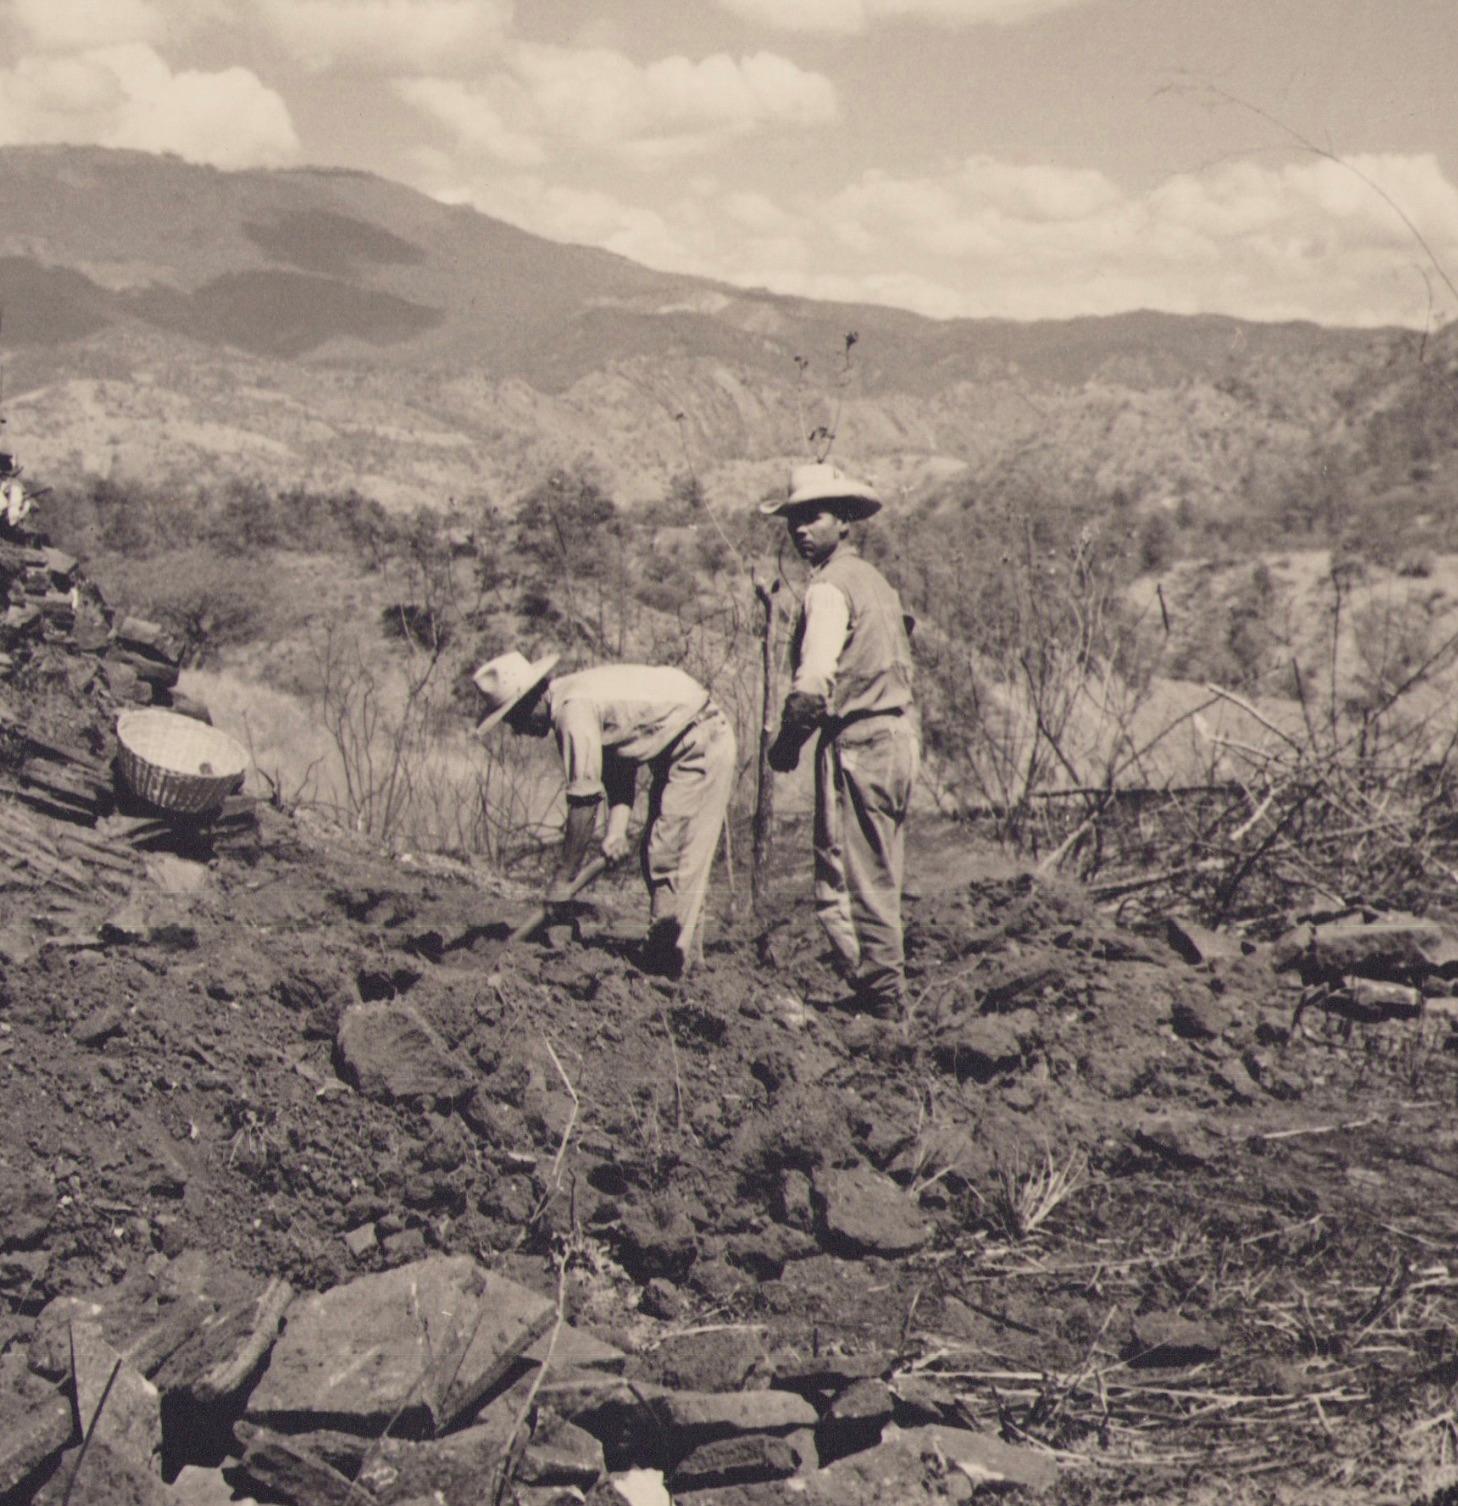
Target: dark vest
{"points": [[874, 673]]}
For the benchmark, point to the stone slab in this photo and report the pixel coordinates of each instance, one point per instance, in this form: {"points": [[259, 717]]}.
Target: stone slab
{"points": [[862, 1212], [423, 1344], [390, 1053]]}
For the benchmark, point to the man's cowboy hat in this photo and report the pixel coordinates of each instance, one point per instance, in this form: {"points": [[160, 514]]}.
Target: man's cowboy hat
{"points": [[826, 483], [505, 680]]}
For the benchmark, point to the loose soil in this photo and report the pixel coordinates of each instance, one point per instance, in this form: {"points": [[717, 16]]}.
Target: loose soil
{"points": [[1238, 1283]]}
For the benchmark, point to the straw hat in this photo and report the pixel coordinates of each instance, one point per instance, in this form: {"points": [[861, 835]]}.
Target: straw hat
{"points": [[505, 680], [826, 483]]}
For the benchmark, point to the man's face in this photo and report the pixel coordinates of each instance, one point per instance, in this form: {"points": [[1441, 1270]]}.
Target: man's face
{"points": [[816, 529], [530, 716]]}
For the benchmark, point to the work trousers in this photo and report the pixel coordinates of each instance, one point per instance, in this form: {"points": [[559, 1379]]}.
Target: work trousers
{"points": [[687, 799], [864, 775]]}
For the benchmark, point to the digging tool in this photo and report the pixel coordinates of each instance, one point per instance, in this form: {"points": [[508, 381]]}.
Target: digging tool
{"points": [[534, 921]]}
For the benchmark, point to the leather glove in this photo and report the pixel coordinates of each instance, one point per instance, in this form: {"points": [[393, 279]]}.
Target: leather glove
{"points": [[799, 720]]}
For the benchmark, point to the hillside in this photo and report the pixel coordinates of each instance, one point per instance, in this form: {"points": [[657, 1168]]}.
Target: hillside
{"points": [[326, 328], [315, 1194]]}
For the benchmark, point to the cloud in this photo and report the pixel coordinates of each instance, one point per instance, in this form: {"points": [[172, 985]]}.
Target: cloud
{"points": [[546, 102], [853, 17], [127, 96], [475, 121], [68, 25], [1304, 239], [387, 37], [562, 213], [81, 25], [1309, 238]]}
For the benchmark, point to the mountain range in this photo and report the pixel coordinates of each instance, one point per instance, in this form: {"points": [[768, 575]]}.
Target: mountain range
{"points": [[178, 324]]}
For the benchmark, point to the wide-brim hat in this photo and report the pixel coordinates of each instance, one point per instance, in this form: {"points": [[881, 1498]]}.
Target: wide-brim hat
{"points": [[823, 483], [505, 680]]}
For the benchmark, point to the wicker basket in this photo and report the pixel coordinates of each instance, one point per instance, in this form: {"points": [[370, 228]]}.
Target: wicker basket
{"points": [[177, 763]]}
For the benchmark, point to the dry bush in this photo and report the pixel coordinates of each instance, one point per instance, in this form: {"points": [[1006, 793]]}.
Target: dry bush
{"points": [[1344, 794]]}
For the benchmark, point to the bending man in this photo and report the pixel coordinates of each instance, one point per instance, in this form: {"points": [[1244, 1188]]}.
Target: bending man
{"points": [[851, 662], [608, 722]]}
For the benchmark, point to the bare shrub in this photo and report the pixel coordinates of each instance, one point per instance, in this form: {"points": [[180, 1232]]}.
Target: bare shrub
{"points": [[1341, 795]]}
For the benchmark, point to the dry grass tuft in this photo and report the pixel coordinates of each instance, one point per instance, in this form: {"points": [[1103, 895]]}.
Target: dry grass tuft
{"points": [[1024, 1197]]}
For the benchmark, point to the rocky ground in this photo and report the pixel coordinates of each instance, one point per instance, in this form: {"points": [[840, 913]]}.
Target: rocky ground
{"points": [[315, 1193]]}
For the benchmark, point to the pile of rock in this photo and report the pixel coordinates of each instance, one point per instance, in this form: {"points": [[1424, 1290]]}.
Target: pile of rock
{"points": [[57, 630], [1369, 968], [50, 604], [431, 1381]]}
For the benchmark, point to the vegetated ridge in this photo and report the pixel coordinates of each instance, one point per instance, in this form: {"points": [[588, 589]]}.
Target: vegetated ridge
{"points": [[320, 328]]}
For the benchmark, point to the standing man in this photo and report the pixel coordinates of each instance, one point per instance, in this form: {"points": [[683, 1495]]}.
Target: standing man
{"points": [[851, 662], [609, 721]]}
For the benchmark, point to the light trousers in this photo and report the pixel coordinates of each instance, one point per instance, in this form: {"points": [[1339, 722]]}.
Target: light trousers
{"points": [[863, 781], [687, 802]]}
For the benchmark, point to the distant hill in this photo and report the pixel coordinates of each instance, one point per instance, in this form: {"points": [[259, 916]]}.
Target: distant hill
{"points": [[330, 328]]}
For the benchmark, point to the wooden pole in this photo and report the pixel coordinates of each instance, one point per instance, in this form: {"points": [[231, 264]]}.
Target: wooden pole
{"points": [[764, 790]]}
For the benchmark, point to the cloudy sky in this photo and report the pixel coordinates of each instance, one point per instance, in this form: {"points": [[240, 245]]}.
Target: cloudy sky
{"points": [[1015, 158]]}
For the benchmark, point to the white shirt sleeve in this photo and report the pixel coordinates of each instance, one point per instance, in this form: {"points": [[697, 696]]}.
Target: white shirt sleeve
{"points": [[827, 624]]}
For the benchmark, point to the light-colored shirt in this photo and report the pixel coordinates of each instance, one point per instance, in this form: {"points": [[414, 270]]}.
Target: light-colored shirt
{"points": [[612, 718], [827, 622]]}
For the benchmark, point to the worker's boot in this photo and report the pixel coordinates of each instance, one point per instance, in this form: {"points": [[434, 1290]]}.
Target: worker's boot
{"points": [[660, 953]]}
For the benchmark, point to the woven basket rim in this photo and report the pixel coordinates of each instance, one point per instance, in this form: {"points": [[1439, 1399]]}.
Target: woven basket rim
{"points": [[197, 742]]}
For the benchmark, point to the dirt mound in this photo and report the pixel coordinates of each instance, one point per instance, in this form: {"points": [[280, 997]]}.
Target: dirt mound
{"points": [[1090, 1196]]}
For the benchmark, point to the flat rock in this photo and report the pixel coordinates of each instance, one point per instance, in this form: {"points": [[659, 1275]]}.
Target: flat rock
{"points": [[389, 1053], [315, 1468], [201, 1329], [868, 1400], [308, 1465], [100, 1025], [718, 1361], [744, 1460], [1400, 948], [1371, 1000], [564, 1454], [1236, 1079], [862, 1212], [980, 1047], [855, 1419], [423, 1344], [651, 1247], [922, 1400], [656, 1426], [106, 1476], [1165, 1338], [576, 1349], [912, 1466], [1201, 1018], [830, 1372], [226, 1346], [29, 1201], [703, 1415], [1198, 944], [31, 1432], [1180, 1140], [115, 1403], [641, 1487], [50, 1344], [196, 1486], [288, 1468]]}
